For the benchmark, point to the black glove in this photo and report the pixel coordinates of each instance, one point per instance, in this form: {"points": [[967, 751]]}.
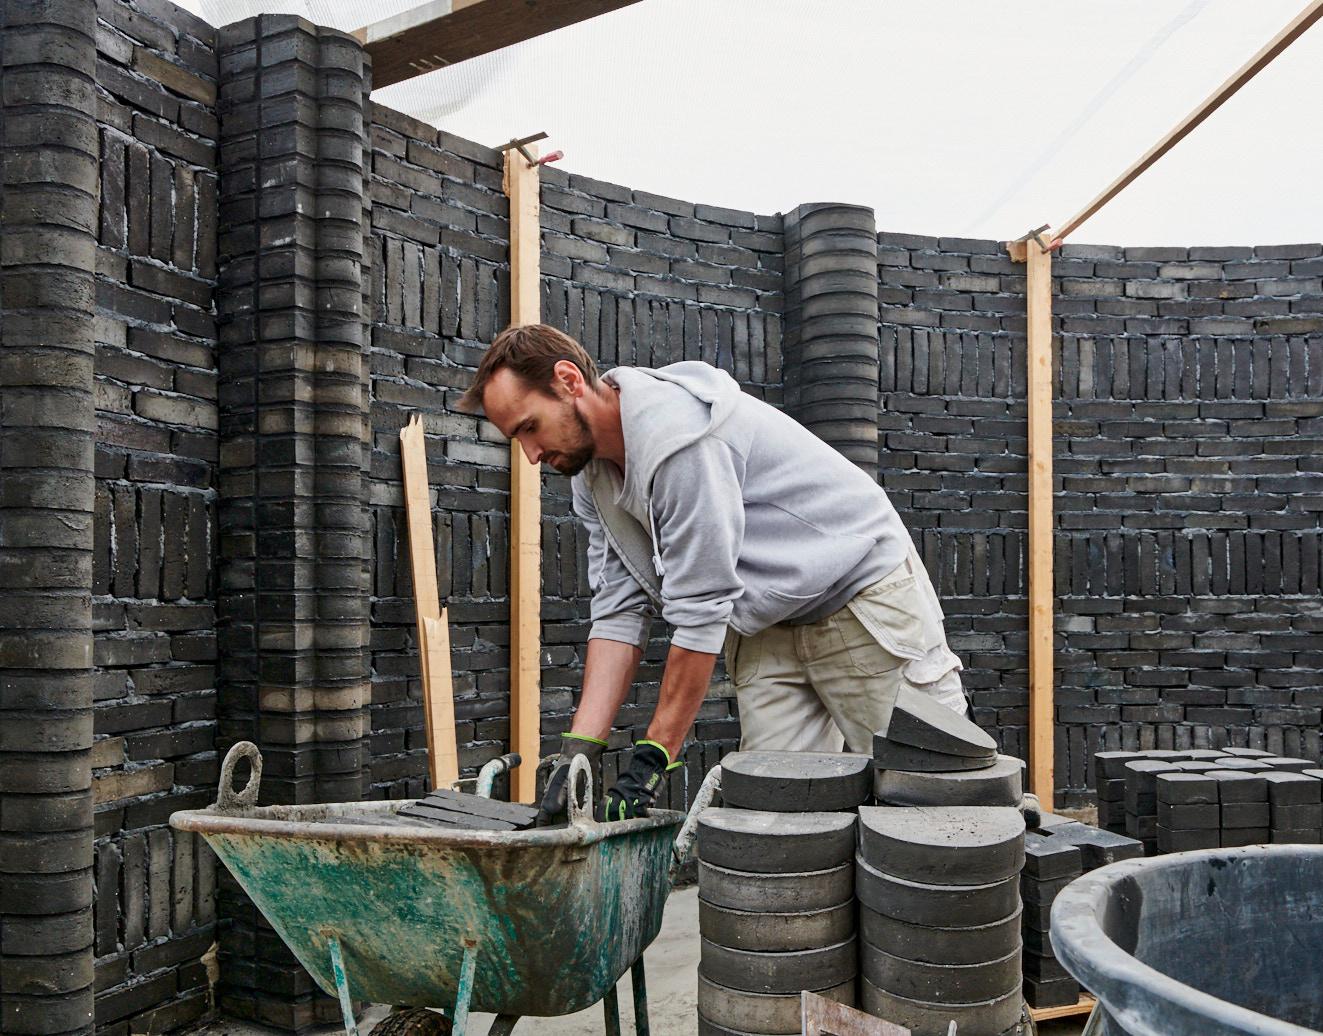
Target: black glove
{"points": [[554, 808], [636, 789]]}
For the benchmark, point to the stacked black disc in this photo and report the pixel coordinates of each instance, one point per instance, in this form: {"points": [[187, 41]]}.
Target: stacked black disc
{"points": [[776, 889], [939, 917], [928, 755]]}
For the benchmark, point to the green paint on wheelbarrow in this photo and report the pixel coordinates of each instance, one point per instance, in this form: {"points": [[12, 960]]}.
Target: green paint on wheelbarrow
{"points": [[555, 916]]}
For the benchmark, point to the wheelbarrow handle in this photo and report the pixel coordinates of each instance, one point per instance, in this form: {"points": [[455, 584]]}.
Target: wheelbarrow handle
{"points": [[492, 769], [684, 841], [227, 799]]}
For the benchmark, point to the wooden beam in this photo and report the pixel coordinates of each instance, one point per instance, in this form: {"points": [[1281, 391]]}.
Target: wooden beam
{"points": [[522, 185], [1038, 295], [433, 632], [443, 32], [1312, 13]]}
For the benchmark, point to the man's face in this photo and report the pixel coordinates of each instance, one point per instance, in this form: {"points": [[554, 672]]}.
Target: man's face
{"points": [[550, 429]]}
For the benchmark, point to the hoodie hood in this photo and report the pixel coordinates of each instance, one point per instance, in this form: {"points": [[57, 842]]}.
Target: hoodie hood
{"points": [[658, 422]]}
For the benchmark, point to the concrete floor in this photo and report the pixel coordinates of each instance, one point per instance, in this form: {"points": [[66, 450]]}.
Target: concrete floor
{"points": [[672, 962]]}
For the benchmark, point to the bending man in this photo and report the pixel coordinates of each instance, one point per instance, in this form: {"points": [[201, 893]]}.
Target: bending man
{"points": [[743, 531]]}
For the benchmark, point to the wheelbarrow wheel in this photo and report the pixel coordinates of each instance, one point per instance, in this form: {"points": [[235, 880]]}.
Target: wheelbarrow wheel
{"points": [[412, 1021]]}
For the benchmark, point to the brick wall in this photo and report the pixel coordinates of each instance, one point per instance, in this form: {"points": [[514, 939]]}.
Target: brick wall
{"points": [[638, 279], [1188, 441], [1188, 463], [153, 579]]}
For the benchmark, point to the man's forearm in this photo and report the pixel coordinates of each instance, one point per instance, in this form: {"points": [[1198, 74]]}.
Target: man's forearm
{"points": [[684, 686], [608, 673]]}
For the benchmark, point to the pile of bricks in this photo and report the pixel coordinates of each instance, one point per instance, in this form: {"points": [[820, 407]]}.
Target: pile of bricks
{"points": [[1175, 801], [939, 906], [776, 890], [1056, 852]]}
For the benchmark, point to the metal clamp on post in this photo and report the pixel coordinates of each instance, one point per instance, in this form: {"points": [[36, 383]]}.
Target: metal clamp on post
{"points": [[227, 799]]}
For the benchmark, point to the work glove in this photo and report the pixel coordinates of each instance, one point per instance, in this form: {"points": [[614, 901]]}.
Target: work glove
{"points": [[636, 789], [554, 808]]}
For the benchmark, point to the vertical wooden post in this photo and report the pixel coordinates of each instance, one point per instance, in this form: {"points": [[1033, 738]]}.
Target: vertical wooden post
{"points": [[522, 187], [1042, 715]]}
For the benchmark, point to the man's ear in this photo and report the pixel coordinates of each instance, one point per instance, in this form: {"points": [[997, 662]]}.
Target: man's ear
{"points": [[568, 376]]}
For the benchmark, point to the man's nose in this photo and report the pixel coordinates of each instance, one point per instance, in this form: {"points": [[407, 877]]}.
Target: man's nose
{"points": [[531, 450]]}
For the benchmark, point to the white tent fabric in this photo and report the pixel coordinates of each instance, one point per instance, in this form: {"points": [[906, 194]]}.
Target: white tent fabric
{"points": [[952, 117]]}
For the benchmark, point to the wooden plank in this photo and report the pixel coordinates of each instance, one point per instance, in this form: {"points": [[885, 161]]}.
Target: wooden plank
{"points": [[443, 32], [439, 700], [1266, 54], [433, 646], [522, 184], [1083, 1006], [823, 1017], [1041, 712]]}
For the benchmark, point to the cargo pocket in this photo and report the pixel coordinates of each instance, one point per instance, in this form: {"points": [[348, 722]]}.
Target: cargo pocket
{"points": [[937, 674], [898, 614]]}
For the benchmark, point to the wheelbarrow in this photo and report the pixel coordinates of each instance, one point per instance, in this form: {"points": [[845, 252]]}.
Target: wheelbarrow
{"points": [[382, 909]]}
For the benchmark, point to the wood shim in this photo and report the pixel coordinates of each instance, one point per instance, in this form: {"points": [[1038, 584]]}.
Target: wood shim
{"points": [[433, 631]]}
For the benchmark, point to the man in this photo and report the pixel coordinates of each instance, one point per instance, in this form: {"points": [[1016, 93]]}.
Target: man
{"points": [[741, 529]]}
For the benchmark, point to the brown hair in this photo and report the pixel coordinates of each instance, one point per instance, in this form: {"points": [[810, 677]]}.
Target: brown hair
{"points": [[531, 351]]}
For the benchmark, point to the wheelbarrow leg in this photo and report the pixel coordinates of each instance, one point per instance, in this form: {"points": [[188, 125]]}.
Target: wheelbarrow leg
{"points": [[460, 1017], [640, 998], [342, 984], [611, 1008], [504, 1025]]}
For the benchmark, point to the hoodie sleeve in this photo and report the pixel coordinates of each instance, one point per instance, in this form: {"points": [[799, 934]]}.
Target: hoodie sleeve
{"points": [[698, 512], [621, 609]]}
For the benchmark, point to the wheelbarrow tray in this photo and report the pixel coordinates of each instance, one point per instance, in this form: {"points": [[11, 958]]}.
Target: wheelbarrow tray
{"points": [[554, 917]]}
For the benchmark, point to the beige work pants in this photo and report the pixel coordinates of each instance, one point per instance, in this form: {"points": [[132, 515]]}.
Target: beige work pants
{"points": [[808, 688]]}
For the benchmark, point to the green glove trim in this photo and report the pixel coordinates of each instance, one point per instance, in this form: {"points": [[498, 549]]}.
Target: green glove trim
{"points": [[662, 748], [587, 737]]}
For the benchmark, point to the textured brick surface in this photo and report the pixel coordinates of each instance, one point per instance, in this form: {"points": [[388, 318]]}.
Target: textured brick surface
{"points": [[293, 604], [1187, 438], [48, 191], [153, 572]]}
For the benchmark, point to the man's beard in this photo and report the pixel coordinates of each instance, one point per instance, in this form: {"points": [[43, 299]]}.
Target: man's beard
{"points": [[572, 461]]}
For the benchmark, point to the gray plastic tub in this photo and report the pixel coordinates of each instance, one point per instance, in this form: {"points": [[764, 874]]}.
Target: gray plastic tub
{"points": [[1206, 943]]}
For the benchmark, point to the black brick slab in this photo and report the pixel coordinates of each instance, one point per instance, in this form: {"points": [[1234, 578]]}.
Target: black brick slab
{"points": [[940, 945], [946, 906], [940, 983], [795, 782], [770, 932], [779, 972], [775, 893], [954, 845], [760, 1012], [990, 1018], [1001, 784], [920, 721], [891, 755], [745, 839]]}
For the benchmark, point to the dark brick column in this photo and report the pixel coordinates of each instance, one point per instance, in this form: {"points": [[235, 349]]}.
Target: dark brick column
{"points": [[48, 212], [293, 617], [830, 337]]}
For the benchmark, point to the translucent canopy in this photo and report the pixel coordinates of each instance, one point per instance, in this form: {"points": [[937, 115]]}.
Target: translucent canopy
{"points": [[950, 117]]}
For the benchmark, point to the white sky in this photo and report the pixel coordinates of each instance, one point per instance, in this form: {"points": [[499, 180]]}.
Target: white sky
{"points": [[978, 118]]}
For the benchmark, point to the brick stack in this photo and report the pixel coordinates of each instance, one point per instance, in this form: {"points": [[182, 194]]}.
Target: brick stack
{"points": [[1208, 798], [831, 344], [940, 910], [776, 889], [1057, 851], [294, 421], [48, 207]]}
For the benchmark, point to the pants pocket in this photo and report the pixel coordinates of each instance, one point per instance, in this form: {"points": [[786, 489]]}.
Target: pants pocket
{"points": [[742, 657]]}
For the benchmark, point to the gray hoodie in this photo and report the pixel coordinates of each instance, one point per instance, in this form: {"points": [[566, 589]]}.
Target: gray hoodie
{"points": [[730, 514]]}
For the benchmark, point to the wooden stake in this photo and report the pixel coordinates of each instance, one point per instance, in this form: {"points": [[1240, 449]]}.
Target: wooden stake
{"points": [[522, 184], [433, 642], [1042, 717]]}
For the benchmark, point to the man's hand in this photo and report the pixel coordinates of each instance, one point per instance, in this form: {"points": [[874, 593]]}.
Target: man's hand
{"points": [[636, 789], [554, 808]]}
